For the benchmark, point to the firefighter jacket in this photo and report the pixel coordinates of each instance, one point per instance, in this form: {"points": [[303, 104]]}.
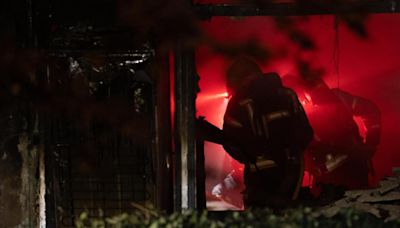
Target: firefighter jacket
{"points": [[343, 147], [266, 120], [370, 117]]}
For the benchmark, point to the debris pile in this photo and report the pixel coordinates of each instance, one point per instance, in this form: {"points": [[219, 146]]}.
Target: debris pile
{"points": [[383, 201]]}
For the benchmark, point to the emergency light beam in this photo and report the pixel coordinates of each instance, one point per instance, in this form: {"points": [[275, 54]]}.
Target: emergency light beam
{"points": [[208, 97], [212, 106]]}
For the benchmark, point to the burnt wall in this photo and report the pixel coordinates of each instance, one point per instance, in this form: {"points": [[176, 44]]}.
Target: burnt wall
{"points": [[18, 155], [18, 168]]}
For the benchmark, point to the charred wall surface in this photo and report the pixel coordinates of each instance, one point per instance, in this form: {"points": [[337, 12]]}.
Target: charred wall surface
{"points": [[18, 151], [18, 170], [80, 96]]}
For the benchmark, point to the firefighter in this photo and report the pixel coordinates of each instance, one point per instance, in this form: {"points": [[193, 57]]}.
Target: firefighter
{"points": [[266, 130], [347, 133]]}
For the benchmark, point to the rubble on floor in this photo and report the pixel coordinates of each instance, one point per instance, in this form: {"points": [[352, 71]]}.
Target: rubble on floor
{"points": [[383, 201]]}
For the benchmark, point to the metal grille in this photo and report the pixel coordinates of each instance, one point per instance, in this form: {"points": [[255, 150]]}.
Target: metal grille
{"points": [[98, 169], [109, 179]]}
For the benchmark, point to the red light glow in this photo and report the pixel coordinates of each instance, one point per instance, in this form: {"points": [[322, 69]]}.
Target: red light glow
{"points": [[368, 68]]}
